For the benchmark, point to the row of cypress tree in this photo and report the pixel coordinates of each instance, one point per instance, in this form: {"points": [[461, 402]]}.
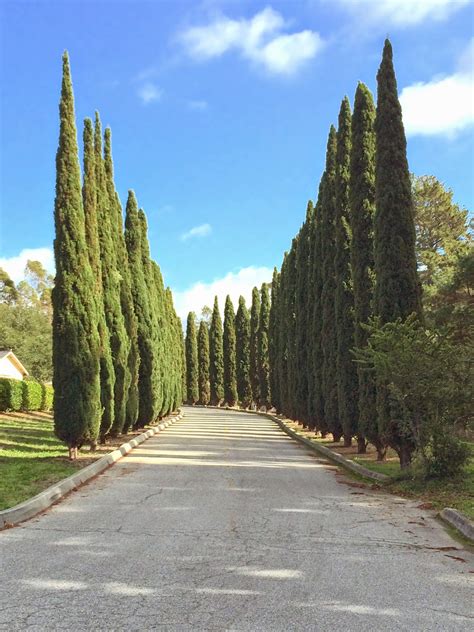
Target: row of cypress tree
{"points": [[228, 363], [353, 258], [118, 349]]}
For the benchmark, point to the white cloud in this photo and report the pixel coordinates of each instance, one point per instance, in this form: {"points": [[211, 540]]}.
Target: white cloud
{"points": [[444, 105], [15, 266], [197, 231], [149, 93], [233, 283], [258, 39], [403, 12], [198, 104]]}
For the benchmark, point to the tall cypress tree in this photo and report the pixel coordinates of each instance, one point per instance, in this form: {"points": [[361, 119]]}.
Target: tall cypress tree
{"points": [[328, 287], [397, 288], [254, 324], [119, 342], [273, 347], [203, 361], [263, 348], [282, 336], [362, 209], [141, 302], [89, 196], [347, 381], [230, 379], [216, 355], [130, 385], [242, 352], [76, 342], [291, 380], [192, 367]]}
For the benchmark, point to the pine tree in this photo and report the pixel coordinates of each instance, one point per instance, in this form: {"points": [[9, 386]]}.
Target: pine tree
{"points": [[347, 381], [216, 355], [141, 302], [192, 367], [119, 342], [273, 347], [76, 342], [203, 361], [242, 352], [263, 348], [397, 288], [230, 379], [89, 196], [130, 385], [254, 324], [362, 209], [328, 286]]}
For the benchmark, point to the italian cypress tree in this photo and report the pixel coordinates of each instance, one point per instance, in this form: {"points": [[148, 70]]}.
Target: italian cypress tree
{"points": [[130, 384], [192, 367], [362, 209], [119, 342], [76, 342], [216, 355], [292, 365], [242, 348], [328, 287], [230, 379], [282, 335], [347, 380], [263, 348], [273, 348], [141, 302], [89, 196], [203, 361], [397, 288], [254, 324]]}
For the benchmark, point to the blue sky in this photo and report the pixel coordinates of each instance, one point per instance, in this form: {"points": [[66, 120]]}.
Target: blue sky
{"points": [[219, 113]]}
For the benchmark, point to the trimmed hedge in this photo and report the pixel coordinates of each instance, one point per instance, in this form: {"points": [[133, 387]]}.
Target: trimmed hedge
{"points": [[47, 397], [32, 395], [11, 394]]}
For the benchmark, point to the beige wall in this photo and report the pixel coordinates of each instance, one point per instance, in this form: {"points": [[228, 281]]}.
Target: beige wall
{"points": [[8, 369]]}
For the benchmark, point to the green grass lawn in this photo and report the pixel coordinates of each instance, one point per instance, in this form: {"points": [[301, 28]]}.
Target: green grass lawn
{"points": [[31, 458]]}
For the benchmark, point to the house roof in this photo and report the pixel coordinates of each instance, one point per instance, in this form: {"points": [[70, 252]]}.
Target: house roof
{"points": [[14, 360]]}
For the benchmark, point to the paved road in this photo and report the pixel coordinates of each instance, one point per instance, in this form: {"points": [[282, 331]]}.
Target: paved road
{"points": [[224, 523]]}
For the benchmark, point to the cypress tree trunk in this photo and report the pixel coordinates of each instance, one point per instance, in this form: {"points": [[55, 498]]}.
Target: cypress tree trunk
{"points": [[263, 350], [216, 353], [192, 370], [242, 349], [130, 385], [328, 285], [76, 342], [119, 342], [347, 381], [203, 360], [230, 380], [362, 209], [397, 288], [133, 237], [254, 366], [273, 341], [89, 196]]}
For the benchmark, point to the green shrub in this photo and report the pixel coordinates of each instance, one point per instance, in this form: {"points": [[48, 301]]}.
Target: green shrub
{"points": [[32, 395], [449, 455], [47, 396], [11, 394]]}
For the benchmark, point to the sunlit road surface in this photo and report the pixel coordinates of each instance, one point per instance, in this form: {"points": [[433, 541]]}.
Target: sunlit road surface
{"points": [[222, 522]]}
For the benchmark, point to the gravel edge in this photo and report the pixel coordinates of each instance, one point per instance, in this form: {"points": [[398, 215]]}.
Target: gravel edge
{"points": [[31, 507]]}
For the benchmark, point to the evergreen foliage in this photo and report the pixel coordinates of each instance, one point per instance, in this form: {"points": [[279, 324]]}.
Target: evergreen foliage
{"points": [[192, 367], [347, 380], [263, 348], [216, 356], [230, 378], [273, 347], [76, 342], [254, 365], [203, 361], [242, 349], [397, 289]]}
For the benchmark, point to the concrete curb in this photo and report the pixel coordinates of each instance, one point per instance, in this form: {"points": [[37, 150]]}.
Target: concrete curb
{"points": [[458, 521], [326, 452], [43, 500]]}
